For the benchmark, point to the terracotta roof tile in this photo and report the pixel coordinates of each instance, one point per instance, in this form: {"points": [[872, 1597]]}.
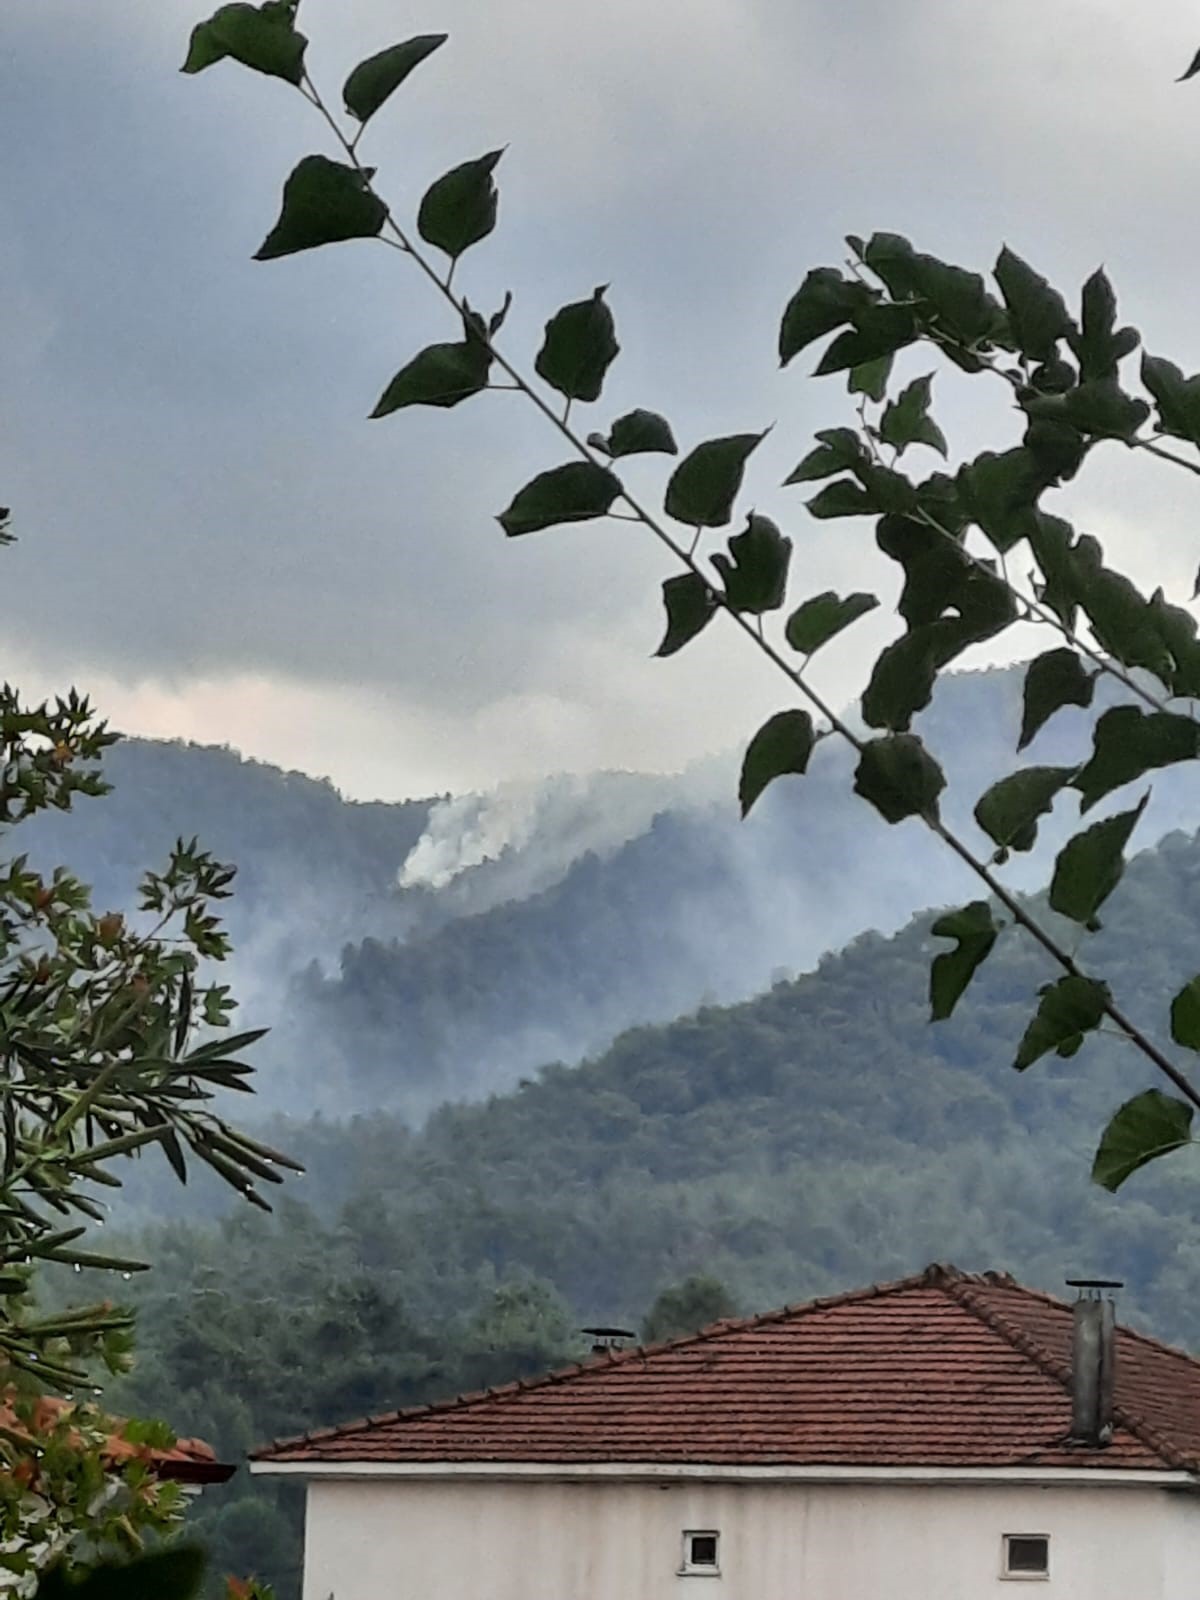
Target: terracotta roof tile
{"points": [[942, 1369]]}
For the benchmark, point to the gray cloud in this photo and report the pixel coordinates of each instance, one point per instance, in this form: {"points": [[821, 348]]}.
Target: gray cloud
{"points": [[200, 498]]}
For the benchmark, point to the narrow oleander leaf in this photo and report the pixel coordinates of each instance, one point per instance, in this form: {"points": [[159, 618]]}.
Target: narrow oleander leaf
{"points": [[899, 777], [705, 484], [824, 301], [823, 617], [907, 421], [837, 450], [579, 346], [1037, 313], [575, 493], [877, 332], [782, 745], [264, 38], [1192, 70], [871, 377], [691, 605], [1185, 1016], [1150, 1125], [441, 375], [324, 202], [459, 208], [1127, 742], [755, 570], [1066, 1011], [1052, 680], [845, 498], [1177, 397], [641, 433], [1090, 866], [1008, 812], [378, 77], [974, 933]]}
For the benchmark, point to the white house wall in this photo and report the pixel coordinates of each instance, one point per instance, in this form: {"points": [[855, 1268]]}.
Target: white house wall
{"points": [[533, 1540]]}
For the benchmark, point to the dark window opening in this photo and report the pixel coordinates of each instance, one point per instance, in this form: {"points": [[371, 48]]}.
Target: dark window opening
{"points": [[1026, 1555]]}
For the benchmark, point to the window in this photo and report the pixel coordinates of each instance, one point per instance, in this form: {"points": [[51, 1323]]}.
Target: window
{"points": [[1026, 1555], [700, 1553]]}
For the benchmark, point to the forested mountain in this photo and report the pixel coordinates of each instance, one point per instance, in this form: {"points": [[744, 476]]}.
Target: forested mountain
{"points": [[406, 954], [821, 1135]]}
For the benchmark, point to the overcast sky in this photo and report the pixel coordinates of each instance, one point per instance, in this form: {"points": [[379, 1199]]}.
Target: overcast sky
{"points": [[216, 542]]}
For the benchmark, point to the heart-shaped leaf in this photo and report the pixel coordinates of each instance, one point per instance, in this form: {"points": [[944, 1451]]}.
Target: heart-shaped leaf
{"points": [[1008, 812], [459, 209], [1150, 1125], [441, 375], [1066, 1011], [579, 347], [824, 301], [641, 433], [974, 932], [755, 571], [691, 606], [705, 484], [1127, 742], [899, 777], [574, 493], [1090, 866], [324, 202], [1052, 680], [818, 620], [782, 745], [263, 37], [379, 76]]}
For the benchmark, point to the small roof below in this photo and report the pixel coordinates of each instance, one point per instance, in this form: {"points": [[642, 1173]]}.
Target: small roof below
{"points": [[942, 1369], [187, 1461]]}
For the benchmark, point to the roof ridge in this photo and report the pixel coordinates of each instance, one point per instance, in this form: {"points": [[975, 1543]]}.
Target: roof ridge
{"points": [[929, 1276], [965, 1291]]}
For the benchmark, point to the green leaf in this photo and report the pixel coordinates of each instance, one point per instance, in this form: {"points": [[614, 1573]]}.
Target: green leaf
{"points": [[756, 577], [999, 494], [1124, 622], [824, 301], [574, 493], [1192, 70], [902, 679], [1058, 449], [818, 620], [974, 933], [1150, 1125], [641, 433], [907, 421], [899, 777], [1008, 812], [1052, 540], [1178, 398], [579, 347], [871, 377], [1185, 1016], [1052, 680], [1090, 866], [1127, 742], [705, 484], [957, 303], [1037, 313], [691, 605], [378, 77], [441, 375], [783, 744], [324, 202], [1099, 407], [1066, 1011], [837, 450], [878, 331], [845, 498], [261, 37], [459, 209], [1098, 343]]}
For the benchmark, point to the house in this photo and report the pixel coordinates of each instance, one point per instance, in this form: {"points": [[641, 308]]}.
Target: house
{"points": [[929, 1439]]}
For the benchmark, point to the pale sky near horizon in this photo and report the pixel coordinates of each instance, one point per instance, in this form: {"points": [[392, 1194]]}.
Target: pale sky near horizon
{"points": [[217, 544]]}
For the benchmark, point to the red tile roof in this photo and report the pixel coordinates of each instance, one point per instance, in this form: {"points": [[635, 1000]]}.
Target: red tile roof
{"points": [[943, 1369], [186, 1461]]}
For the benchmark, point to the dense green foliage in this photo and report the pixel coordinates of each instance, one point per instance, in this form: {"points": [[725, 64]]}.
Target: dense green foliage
{"points": [[822, 1135]]}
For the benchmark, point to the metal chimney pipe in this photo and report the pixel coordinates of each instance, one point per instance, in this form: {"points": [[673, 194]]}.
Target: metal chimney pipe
{"points": [[1093, 1362]]}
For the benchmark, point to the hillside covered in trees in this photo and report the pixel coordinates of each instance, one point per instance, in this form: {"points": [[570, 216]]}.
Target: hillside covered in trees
{"points": [[821, 1135]]}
